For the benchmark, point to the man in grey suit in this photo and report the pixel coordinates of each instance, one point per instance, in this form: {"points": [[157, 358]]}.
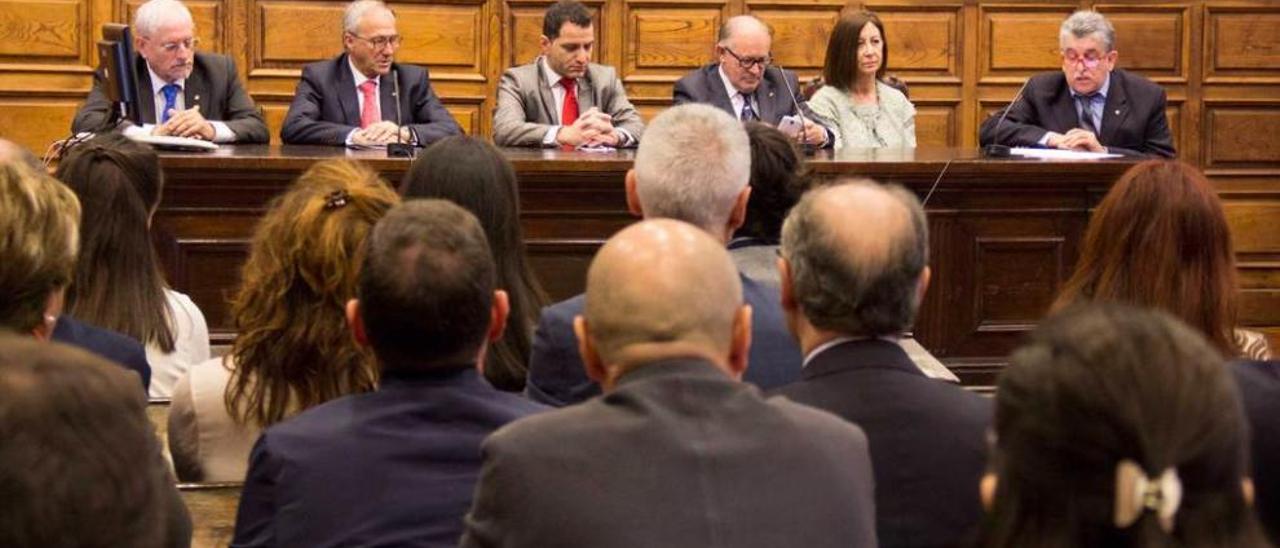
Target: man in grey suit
{"points": [[562, 98], [849, 291], [744, 83], [678, 452]]}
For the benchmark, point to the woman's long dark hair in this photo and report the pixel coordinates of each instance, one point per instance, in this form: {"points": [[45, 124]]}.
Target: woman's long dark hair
{"points": [[475, 175], [118, 283]]}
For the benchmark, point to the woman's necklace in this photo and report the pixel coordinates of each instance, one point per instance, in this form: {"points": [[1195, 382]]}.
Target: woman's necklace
{"points": [[869, 117]]}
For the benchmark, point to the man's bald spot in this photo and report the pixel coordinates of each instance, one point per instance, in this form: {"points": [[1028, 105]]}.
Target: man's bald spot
{"points": [[866, 221], [662, 281], [739, 25]]}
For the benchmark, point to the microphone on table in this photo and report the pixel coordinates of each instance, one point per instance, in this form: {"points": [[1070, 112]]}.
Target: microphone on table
{"points": [[807, 147], [997, 150], [398, 149]]}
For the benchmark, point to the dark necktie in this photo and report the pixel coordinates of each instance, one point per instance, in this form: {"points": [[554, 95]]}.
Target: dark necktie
{"points": [[1086, 113], [748, 113], [170, 92], [569, 114]]}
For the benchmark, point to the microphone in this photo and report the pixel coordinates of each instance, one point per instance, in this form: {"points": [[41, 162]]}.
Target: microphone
{"points": [[995, 150], [804, 143], [398, 149]]}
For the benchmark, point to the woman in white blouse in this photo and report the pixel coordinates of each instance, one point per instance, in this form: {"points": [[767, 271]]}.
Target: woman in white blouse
{"points": [[864, 110]]}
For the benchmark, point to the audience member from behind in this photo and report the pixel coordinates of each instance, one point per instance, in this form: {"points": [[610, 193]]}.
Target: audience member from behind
{"points": [[428, 308], [118, 283], [689, 455], [693, 166], [80, 464], [1259, 383], [41, 224], [476, 176], [1114, 427], [293, 350], [850, 290], [778, 178], [1160, 239], [866, 111]]}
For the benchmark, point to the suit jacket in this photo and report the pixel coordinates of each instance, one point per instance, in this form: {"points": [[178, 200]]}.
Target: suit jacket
{"points": [[1133, 120], [774, 101], [125, 351], [1259, 384], [394, 467], [325, 108], [527, 109], [214, 84], [678, 455], [556, 375], [928, 438]]}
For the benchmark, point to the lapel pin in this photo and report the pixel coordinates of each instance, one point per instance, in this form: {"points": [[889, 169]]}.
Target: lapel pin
{"points": [[1117, 112]]}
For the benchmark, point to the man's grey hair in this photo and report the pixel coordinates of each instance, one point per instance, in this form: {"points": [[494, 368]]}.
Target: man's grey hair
{"points": [[157, 13], [357, 10], [738, 23], [1086, 23], [839, 290], [693, 162]]}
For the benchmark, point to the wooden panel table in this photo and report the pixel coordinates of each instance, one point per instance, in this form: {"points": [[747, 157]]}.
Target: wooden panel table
{"points": [[1004, 233]]}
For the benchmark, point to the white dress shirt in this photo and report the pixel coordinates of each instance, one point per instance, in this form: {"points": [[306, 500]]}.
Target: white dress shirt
{"points": [[737, 98], [558, 92], [221, 132]]}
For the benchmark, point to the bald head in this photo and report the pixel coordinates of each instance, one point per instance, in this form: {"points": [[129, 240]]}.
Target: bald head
{"points": [[662, 288], [747, 26], [856, 251]]}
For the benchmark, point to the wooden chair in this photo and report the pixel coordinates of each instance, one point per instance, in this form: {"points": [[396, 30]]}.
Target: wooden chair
{"points": [[812, 86], [213, 512]]}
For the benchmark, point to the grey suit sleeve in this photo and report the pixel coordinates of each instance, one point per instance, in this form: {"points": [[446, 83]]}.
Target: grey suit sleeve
{"points": [[621, 110], [93, 113], [500, 500], [242, 115], [431, 121], [510, 122], [303, 123]]}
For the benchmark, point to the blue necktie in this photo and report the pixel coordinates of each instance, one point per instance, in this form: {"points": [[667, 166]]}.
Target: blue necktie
{"points": [[748, 113], [170, 92], [1086, 113]]}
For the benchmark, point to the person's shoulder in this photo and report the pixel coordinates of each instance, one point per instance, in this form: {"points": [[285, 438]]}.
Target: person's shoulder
{"points": [[891, 95], [602, 73], [317, 425], [553, 429], [565, 309], [98, 339], [817, 424], [323, 67], [699, 74]]}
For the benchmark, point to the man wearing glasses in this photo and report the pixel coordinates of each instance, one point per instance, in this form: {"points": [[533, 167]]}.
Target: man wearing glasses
{"points": [[351, 99], [744, 84], [1090, 105], [192, 94]]}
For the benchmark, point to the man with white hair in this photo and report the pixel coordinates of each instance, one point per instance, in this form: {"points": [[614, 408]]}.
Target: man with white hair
{"points": [[678, 453], [1090, 105], [182, 92], [352, 99], [692, 166], [744, 82]]}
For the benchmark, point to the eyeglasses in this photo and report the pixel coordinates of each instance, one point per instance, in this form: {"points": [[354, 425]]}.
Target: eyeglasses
{"points": [[172, 47], [749, 62], [1091, 59], [379, 42]]}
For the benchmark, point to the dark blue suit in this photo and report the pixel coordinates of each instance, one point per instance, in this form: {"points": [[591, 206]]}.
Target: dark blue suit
{"points": [[394, 467], [113, 346], [1260, 389], [557, 377], [928, 438]]}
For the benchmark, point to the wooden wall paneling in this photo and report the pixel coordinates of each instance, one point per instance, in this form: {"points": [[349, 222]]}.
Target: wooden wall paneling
{"points": [[208, 15], [937, 122], [800, 33], [1241, 135], [35, 122], [1018, 40], [667, 39], [1242, 43], [291, 34], [1154, 40], [524, 30], [925, 41], [45, 32]]}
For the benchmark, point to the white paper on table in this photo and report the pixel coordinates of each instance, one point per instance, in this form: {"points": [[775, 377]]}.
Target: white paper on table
{"points": [[597, 148], [1059, 154]]}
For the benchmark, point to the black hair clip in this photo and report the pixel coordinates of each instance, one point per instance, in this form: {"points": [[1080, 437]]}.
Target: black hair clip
{"points": [[336, 199]]}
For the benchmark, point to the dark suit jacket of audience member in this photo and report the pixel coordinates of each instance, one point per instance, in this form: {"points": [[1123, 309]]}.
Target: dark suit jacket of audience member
{"points": [[773, 99], [113, 346], [394, 467], [1133, 120], [325, 108], [556, 376], [678, 455], [928, 438], [1260, 389], [214, 84]]}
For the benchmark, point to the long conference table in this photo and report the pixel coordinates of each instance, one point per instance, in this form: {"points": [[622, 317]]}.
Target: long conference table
{"points": [[1004, 233]]}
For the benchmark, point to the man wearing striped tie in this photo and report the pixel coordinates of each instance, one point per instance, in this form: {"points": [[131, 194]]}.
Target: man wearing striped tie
{"points": [[562, 99], [183, 92]]}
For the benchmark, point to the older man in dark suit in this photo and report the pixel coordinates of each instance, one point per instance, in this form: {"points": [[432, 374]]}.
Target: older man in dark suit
{"points": [[397, 466], [352, 99], [1090, 105], [693, 167], [677, 453], [850, 290], [182, 92], [743, 83]]}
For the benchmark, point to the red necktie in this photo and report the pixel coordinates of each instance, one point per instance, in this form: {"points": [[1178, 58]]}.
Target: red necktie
{"points": [[369, 114], [570, 113]]}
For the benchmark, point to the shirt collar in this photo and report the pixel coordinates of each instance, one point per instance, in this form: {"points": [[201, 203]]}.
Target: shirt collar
{"points": [[157, 82], [1102, 90], [358, 76], [728, 85], [552, 77], [839, 341]]}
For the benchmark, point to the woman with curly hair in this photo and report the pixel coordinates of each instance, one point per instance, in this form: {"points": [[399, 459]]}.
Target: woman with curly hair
{"points": [[293, 350]]}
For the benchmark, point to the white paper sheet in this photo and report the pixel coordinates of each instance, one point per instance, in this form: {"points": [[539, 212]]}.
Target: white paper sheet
{"points": [[1058, 154]]}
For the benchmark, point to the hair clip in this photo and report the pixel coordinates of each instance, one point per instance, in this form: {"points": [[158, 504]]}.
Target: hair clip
{"points": [[1136, 494], [336, 199]]}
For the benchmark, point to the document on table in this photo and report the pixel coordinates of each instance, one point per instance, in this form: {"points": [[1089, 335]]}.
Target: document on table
{"points": [[1058, 154]]}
